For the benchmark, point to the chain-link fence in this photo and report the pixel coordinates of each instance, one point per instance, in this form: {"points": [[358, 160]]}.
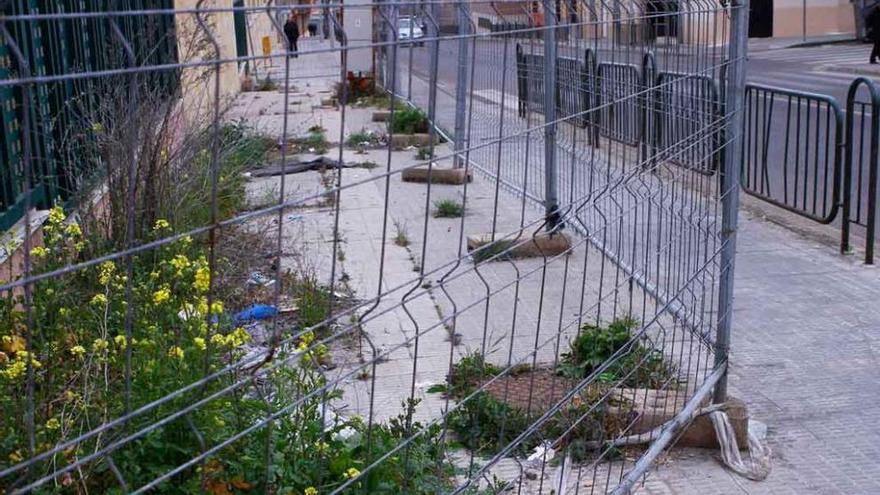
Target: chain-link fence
{"points": [[371, 247]]}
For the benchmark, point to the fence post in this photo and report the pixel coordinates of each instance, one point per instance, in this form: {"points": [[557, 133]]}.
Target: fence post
{"points": [[873, 163], [649, 73], [461, 84], [730, 176], [551, 201]]}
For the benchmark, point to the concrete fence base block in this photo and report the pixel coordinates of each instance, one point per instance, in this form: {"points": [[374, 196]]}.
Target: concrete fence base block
{"points": [[647, 409], [401, 141], [381, 116], [527, 246], [452, 176]]}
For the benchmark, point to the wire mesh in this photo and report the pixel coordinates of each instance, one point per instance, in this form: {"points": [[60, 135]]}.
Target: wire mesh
{"points": [[248, 291]]}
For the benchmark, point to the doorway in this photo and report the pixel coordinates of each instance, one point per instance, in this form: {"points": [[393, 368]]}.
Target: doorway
{"points": [[760, 18]]}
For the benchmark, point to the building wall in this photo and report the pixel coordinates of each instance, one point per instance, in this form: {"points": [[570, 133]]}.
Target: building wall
{"points": [[194, 44], [823, 17]]}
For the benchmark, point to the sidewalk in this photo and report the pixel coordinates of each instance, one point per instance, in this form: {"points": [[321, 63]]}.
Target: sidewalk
{"points": [[778, 43], [804, 359]]}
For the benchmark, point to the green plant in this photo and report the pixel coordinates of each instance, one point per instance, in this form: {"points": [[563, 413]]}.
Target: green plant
{"points": [[448, 208], [400, 236], [468, 372], [266, 84], [317, 128], [409, 121], [424, 153], [635, 366], [358, 139], [494, 251], [314, 142], [312, 299]]}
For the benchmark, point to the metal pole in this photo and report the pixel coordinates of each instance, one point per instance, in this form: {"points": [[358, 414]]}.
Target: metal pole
{"points": [[461, 84], [551, 201], [804, 20], [730, 175]]}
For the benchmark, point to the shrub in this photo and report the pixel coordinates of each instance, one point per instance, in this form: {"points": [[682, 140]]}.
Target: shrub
{"points": [[637, 366], [409, 121], [357, 139], [424, 153], [448, 208]]}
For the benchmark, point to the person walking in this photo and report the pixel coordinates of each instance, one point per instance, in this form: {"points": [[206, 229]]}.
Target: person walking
{"points": [[291, 31]]}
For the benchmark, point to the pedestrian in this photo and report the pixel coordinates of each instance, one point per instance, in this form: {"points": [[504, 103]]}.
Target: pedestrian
{"points": [[872, 26], [291, 31]]}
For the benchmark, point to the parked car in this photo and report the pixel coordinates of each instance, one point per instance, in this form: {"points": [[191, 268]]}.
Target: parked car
{"points": [[409, 29]]}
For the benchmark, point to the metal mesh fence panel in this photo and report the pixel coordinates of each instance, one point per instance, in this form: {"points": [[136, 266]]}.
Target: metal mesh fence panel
{"points": [[371, 247]]}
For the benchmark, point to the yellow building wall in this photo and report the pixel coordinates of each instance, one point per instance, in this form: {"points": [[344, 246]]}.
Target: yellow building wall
{"points": [[196, 45]]}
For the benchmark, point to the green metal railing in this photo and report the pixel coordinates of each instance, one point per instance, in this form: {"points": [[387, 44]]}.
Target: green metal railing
{"points": [[55, 43]]}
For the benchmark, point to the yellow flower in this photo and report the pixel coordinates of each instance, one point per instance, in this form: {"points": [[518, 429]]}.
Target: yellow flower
{"points": [[175, 352], [351, 473], [218, 339], [311, 491], [79, 246], [200, 343], [100, 345], [154, 275], [78, 350], [162, 295], [238, 337], [180, 262], [186, 240], [202, 280], [73, 230], [16, 456], [56, 215], [39, 252], [107, 268], [14, 370], [99, 300], [53, 424], [216, 307], [97, 127], [121, 341], [307, 337], [321, 350], [161, 224]]}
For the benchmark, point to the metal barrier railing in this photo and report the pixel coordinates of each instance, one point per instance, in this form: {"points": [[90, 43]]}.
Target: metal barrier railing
{"points": [[620, 85], [860, 170], [797, 165], [801, 151], [685, 127]]}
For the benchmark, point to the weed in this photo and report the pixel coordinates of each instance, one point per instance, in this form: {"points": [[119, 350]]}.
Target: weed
{"points": [[317, 128], [448, 208], [424, 153], [409, 121], [315, 142], [361, 138], [369, 165], [494, 251], [636, 366], [400, 236], [468, 373], [265, 84], [340, 255]]}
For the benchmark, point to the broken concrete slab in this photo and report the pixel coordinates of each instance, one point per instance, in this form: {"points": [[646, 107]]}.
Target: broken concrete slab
{"points": [[401, 141], [434, 175], [483, 248]]}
